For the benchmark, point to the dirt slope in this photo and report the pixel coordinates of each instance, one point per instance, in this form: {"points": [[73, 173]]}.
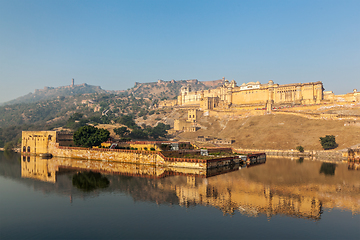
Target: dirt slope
{"points": [[277, 132]]}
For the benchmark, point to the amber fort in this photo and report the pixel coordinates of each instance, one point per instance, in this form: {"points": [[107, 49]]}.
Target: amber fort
{"points": [[255, 94], [254, 98]]}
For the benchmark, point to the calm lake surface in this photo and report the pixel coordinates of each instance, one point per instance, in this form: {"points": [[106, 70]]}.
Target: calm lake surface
{"points": [[282, 198]]}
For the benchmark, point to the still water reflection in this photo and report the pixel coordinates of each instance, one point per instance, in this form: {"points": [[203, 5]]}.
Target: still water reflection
{"points": [[283, 198]]}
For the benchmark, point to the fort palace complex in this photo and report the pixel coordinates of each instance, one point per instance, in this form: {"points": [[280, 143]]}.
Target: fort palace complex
{"points": [[229, 95], [253, 96]]}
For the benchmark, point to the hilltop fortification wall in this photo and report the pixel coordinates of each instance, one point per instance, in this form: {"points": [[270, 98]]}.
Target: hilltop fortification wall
{"points": [[229, 95]]}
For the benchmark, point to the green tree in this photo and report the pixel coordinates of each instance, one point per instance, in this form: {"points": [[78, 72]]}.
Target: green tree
{"points": [[76, 121], [88, 136], [121, 131], [328, 142], [300, 148], [105, 120], [139, 134], [128, 120], [76, 116], [159, 131], [9, 146]]}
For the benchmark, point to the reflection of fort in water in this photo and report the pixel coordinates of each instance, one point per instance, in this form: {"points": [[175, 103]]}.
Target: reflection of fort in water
{"points": [[278, 187]]}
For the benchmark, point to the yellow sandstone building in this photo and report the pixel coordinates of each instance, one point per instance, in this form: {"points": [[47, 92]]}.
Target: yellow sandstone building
{"points": [[229, 95], [254, 97]]}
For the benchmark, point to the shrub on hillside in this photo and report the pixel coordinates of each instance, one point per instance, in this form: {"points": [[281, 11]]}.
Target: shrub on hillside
{"points": [[300, 148], [121, 131], [328, 142]]}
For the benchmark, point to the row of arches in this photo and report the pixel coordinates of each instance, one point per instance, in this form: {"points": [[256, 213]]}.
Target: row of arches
{"points": [[26, 149]]}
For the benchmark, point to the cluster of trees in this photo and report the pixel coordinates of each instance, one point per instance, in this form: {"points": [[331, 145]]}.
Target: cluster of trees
{"points": [[78, 120], [88, 136], [144, 132], [159, 131], [31, 113], [327, 142], [46, 114]]}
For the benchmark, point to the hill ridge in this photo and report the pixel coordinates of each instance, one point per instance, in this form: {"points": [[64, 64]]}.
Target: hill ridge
{"points": [[166, 89]]}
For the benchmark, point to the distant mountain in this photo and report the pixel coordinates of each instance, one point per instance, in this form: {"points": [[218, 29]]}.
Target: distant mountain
{"points": [[48, 93], [154, 90], [51, 108]]}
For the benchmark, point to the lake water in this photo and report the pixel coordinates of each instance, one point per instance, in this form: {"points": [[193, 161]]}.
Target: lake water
{"points": [[280, 199]]}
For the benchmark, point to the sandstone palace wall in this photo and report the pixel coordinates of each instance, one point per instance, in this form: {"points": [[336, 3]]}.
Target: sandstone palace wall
{"points": [[254, 93]]}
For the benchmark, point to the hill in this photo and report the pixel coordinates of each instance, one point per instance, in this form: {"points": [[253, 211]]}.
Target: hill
{"points": [[80, 107], [170, 89], [155, 90], [73, 106], [276, 131], [48, 93]]}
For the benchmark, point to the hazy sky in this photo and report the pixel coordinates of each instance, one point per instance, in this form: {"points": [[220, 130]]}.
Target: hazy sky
{"points": [[114, 44]]}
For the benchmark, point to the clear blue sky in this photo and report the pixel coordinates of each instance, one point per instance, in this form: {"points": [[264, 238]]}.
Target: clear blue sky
{"points": [[114, 44]]}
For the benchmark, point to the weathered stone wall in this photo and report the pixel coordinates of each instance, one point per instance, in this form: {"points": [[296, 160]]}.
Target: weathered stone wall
{"points": [[168, 103], [230, 95], [354, 154], [141, 145], [184, 125], [37, 142], [301, 93], [328, 154], [44, 142]]}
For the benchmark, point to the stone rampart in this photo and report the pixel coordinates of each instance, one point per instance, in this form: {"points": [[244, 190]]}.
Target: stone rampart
{"points": [[45, 144]]}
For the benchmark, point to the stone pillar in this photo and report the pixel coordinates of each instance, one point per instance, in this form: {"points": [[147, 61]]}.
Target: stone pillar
{"points": [[269, 106]]}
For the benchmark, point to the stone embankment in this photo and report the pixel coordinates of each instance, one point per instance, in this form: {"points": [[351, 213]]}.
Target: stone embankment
{"points": [[139, 157], [338, 155]]}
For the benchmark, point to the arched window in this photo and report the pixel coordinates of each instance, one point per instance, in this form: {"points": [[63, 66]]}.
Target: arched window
{"points": [[24, 149], [24, 159], [28, 149]]}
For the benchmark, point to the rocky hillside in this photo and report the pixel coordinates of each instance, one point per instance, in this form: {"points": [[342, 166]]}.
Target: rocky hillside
{"points": [[50, 93], [170, 89], [276, 131], [51, 108], [155, 90]]}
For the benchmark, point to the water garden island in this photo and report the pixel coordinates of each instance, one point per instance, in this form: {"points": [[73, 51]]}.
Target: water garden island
{"points": [[158, 153]]}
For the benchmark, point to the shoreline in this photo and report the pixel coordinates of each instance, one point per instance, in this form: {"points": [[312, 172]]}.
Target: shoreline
{"points": [[340, 155], [333, 155], [14, 150]]}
